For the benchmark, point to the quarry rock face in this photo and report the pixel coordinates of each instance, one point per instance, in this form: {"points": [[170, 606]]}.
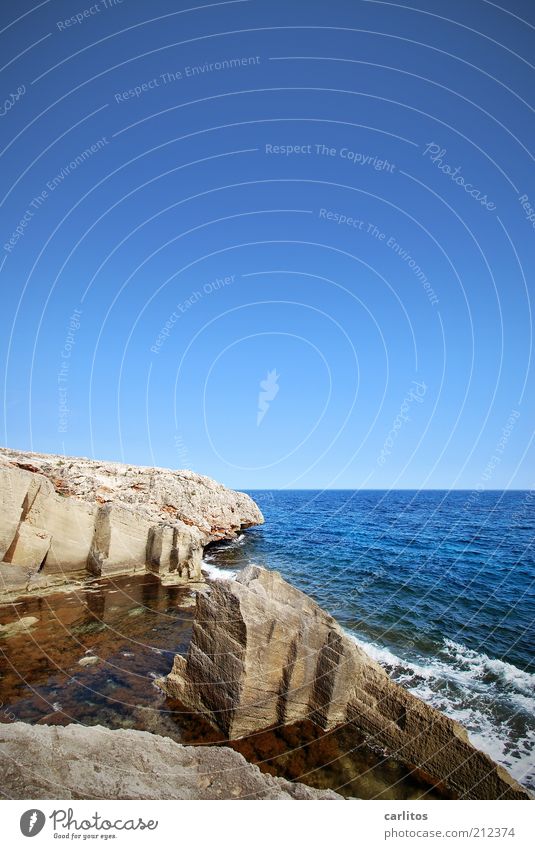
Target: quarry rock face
{"points": [[263, 654], [70, 518], [75, 762]]}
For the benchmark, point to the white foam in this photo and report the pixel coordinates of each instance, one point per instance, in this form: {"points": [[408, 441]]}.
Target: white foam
{"points": [[378, 653], [481, 664], [217, 574], [461, 665], [475, 683]]}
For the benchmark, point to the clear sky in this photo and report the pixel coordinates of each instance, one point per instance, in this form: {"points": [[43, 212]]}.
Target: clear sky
{"points": [[285, 244]]}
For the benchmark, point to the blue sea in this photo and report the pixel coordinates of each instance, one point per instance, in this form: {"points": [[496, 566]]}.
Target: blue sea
{"points": [[437, 586]]}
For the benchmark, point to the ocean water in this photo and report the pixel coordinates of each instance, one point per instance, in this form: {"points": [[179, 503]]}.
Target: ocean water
{"points": [[438, 587]]}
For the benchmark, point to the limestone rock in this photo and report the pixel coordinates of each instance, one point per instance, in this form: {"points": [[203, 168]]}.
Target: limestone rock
{"points": [[159, 494], [75, 762], [119, 541], [30, 546], [89, 660], [14, 628], [13, 579], [65, 518], [14, 489], [69, 523], [264, 654], [175, 550]]}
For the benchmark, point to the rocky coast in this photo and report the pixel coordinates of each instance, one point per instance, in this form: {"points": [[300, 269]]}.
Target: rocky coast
{"points": [[257, 661], [66, 519], [263, 654]]}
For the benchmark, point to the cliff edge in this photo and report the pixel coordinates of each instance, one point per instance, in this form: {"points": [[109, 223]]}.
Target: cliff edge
{"points": [[68, 518]]}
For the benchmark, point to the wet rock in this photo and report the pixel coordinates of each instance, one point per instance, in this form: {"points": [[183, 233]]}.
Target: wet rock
{"points": [[75, 762], [11, 629], [263, 655], [90, 660]]}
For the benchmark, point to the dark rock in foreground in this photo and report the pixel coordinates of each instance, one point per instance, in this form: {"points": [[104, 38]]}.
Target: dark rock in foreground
{"points": [[76, 762], [264, 655]]}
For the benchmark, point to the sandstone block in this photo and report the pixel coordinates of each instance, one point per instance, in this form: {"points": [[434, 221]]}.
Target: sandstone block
{"points": [[120, 541], [12, 578], [70, 524], [14, 486], [29, 548]]}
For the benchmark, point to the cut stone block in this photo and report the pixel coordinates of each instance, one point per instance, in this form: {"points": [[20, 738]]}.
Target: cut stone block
{"points": [[29, 548]]}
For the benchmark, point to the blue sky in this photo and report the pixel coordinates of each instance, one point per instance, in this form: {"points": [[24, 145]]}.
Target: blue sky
{"points": [[284, 250]]}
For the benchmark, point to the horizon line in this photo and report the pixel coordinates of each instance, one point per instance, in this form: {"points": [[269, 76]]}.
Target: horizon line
{"points": [[382, 489]]}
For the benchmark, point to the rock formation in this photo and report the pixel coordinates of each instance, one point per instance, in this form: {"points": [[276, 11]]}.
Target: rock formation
{"points": [[75, 762], [63, 518], [263, 654]]}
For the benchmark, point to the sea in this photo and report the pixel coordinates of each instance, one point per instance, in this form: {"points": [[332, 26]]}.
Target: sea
{"points": [[438, 587]]}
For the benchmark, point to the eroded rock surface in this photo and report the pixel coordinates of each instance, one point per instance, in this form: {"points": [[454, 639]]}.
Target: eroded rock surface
{"points": [[64, 517], [75, 762], [264, 654]]}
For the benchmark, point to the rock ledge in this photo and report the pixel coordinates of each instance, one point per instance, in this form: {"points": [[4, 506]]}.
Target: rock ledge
{"points": [[66, 518], [78, 762]]}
